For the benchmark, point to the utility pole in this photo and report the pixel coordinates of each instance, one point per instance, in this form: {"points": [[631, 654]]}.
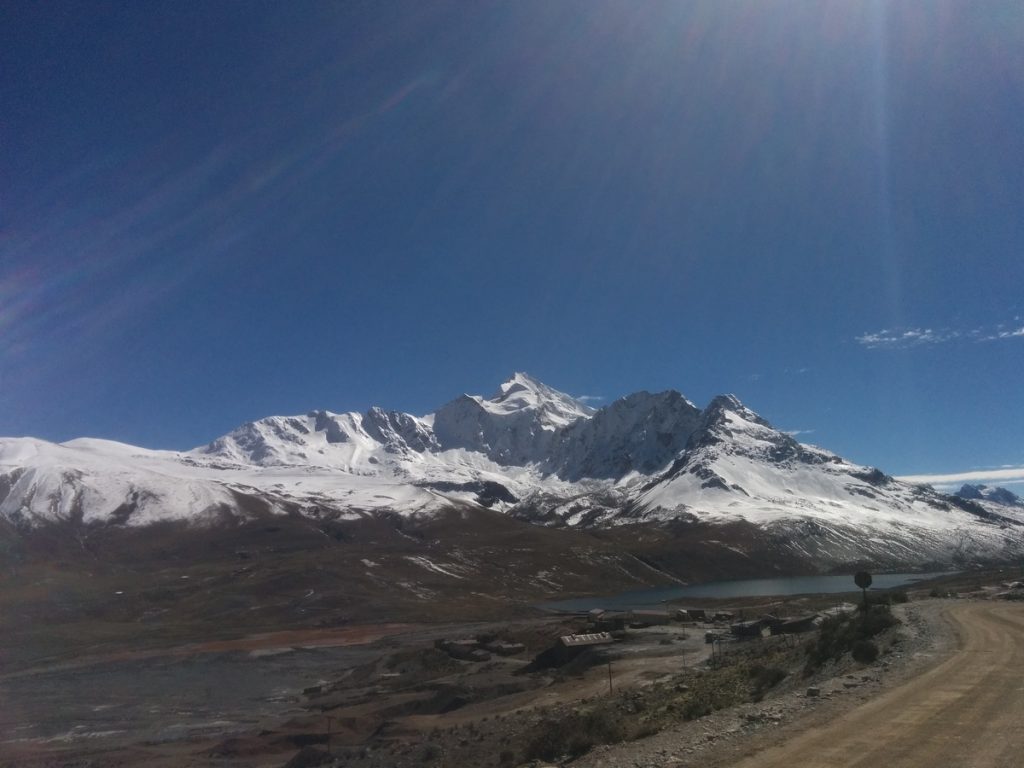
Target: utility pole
{"points": [[329, 735], [609, 678]]}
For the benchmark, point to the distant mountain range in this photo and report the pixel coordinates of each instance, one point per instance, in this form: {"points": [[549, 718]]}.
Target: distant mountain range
{"points": [[533, 454], [987, 493]]}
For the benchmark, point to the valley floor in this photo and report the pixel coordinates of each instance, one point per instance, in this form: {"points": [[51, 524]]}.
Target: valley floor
{"points": [[949, 679]]}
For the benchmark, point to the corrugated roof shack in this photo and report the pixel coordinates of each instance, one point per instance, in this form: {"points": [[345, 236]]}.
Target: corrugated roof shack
{"points": [[586, 640], [571, 646], [568, 647]]}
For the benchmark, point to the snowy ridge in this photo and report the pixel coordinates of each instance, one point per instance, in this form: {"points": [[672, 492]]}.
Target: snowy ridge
{"points": [[100, 481], [528, 450]]}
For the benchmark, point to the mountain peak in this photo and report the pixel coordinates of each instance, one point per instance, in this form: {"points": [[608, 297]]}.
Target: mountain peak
{"points": [[727, 402], [515, 426], [524, 392], [724, 404], [521, 380]]}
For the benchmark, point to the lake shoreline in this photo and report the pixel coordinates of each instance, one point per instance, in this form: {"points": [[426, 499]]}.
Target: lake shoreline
{"points": [[737, 589]]}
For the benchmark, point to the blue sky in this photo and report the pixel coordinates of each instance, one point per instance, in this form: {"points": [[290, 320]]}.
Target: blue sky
{"points": [[214, 212]]}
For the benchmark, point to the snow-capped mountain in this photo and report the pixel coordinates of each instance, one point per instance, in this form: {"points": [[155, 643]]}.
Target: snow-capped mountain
{"points": [[640, 433], [517, 426], [530, 451], [996, 495]]}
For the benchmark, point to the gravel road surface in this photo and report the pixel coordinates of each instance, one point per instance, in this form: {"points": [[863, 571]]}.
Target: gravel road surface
{"points": [[966, 712]]}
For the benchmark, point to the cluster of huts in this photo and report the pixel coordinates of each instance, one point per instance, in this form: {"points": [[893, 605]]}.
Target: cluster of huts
{"points": [[612, 621], [790, 625], [606, 626]]}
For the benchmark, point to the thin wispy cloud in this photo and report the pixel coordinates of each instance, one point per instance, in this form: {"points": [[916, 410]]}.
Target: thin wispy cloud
{"points": [[60, 257], [905, 338], [798, 432], [1013, 334], [1004, 475], [590, 398]]}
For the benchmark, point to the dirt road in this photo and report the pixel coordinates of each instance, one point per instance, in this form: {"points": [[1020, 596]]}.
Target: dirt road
{"points": [[964, 713]]}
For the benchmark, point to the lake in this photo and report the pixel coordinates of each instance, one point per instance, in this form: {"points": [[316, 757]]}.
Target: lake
{"points": [[795, 585]]}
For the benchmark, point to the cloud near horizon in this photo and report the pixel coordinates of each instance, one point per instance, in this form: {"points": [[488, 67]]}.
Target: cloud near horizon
{"points": [[1002, 476]]}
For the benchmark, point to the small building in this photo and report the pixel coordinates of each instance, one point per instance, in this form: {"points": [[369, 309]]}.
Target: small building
{"points": [[586, 640], [748, 629], [569, 647], [793, 625], [611, 621], [697, 614], [466, 649], [723, 616], [504, 648], [648, 618]]}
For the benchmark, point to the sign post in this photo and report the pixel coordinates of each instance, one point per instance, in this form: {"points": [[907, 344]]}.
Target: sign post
{"points": [[863, 580]]}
